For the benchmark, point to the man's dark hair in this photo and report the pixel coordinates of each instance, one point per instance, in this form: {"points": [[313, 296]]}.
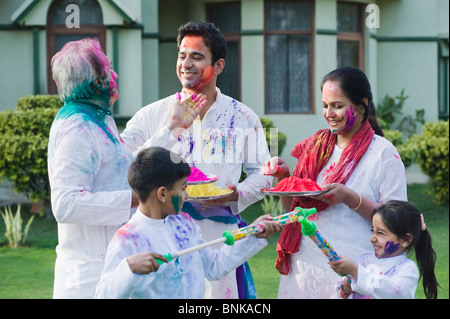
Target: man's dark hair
{"points": [[212, 37], [155, 167]]}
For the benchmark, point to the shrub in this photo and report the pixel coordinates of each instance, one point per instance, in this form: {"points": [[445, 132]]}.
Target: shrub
{"points": [[408, 151], [31, 102], [433, 158], [23, 147], [14, 233], [267, 124], [390, 112]]}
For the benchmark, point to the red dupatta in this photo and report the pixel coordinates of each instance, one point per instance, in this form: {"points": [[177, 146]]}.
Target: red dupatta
{"points": [[313, 153]]}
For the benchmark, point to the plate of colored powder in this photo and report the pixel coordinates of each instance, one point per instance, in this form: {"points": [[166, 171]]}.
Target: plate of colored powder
{"points": [[197, 177], [294, 186], [206, 191]]}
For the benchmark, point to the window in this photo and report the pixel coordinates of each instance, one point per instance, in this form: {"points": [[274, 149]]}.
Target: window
{"points": [[288, 56], [350, 35], [58, 34], [227, 17]]}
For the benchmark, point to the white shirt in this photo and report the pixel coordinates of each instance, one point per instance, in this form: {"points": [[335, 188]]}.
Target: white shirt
{"points": [[90, 199], [181, 278], [229, 139], [385, 278], [379, 177]]}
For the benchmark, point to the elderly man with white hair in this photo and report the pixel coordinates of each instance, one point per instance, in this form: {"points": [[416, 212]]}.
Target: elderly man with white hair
{"points": [[87, 166]]}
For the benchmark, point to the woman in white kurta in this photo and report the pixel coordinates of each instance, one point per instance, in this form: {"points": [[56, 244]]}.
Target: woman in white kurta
{"points": [[379, 177], [87, 168], [359, 169]]}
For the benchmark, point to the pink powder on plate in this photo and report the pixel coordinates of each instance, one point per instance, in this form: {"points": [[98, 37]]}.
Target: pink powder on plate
{"points": [[296, 184], [196, 175]]}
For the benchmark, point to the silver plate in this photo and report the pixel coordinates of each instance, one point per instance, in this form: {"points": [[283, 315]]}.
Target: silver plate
{"points": [[211, 179], [268, 191]]}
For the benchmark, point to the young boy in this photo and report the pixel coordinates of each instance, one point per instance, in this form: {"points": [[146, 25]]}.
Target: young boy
{"points": [[158, 177]]}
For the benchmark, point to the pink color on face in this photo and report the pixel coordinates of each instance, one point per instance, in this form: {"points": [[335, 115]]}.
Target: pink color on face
{"points": [[113, 92], [331, 90], [194, 42]]}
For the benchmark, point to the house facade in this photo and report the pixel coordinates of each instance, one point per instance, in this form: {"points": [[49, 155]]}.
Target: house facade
{"points": [[278, 51]]}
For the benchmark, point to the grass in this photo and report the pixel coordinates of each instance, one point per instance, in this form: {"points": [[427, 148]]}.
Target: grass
{"points": [[27, 272]]}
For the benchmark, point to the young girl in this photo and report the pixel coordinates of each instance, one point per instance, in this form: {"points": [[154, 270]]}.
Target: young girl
{"points": [[397, 227]]}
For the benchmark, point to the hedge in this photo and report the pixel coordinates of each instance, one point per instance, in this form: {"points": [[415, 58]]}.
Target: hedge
{"points": [[23, 147]]}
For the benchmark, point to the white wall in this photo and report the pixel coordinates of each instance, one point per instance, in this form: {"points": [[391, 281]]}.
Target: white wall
{"points": [[16, 63]]}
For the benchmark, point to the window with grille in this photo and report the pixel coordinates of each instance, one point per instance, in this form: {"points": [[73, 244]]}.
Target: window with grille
{"points": [[227, 17], [288, 56], [350, 37]]}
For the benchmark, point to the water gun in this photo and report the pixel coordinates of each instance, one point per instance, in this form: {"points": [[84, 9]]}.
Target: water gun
{"points": [[309, 228], [229, 237]]}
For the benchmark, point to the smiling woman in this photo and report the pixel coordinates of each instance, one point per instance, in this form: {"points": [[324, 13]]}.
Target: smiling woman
{"points": [[357, 167]]}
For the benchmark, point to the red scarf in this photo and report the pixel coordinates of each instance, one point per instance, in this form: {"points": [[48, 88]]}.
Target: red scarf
{"points": [[313, 153]]}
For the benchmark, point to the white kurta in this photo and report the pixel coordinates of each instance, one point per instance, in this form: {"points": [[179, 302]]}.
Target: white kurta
{"points": [[379, 177], [384, 278], [90, 199], [181, 278], [226, 141], [229, 139]]}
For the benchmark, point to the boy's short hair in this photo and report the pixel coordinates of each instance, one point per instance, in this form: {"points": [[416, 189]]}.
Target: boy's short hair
{"points": [[155, 167]]}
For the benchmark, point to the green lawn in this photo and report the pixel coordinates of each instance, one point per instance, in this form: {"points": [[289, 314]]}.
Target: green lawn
{"points": [[27, 272]]}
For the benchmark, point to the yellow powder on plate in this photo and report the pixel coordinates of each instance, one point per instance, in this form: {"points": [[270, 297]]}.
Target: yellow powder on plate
{"points": [[206, 190]]}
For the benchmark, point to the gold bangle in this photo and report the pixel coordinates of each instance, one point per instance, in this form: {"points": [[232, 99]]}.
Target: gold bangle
{"points": [[360, 202]]}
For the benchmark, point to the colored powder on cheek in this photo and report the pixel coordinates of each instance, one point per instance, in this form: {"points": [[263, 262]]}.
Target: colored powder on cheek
{"points": [[176, 203], [206, 77], [206, 190], [390, 248], [296, 184], [351, 117]]}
